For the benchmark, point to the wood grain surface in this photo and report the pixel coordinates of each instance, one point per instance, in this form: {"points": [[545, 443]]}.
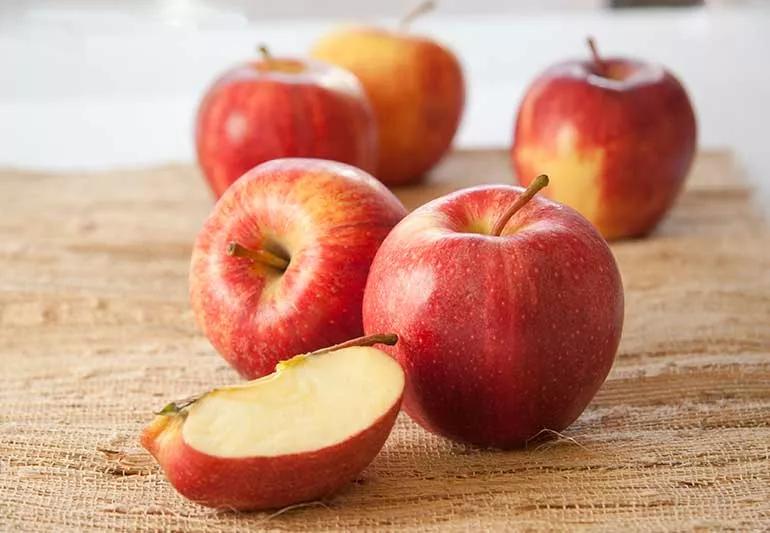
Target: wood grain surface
{"points": [[96, 333]]}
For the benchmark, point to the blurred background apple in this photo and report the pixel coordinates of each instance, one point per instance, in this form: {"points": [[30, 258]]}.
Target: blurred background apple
{"points": [[617, 134], [415, 85], [116, 83], [273, 107]]}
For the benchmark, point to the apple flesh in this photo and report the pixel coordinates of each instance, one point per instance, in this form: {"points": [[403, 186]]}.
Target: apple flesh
{"points": [[617, 136], [274, 108], [297, 435], [417, 91], [280, 265], [504, 330]]}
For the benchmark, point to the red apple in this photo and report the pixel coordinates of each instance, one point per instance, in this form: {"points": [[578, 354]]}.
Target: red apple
{"points": [[280, 265], [616, 135], [274, 108], [297, 435], [416, 88], [508, 313]]}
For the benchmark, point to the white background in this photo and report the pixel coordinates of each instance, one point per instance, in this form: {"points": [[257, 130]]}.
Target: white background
{"points": [[90, 85]]}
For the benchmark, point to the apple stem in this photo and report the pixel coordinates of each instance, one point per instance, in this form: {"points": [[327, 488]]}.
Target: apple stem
{"points": [[264, 51], [533, 188], [417, 11], [368, 340], [177, 406], [601, 66], [261, 256]]}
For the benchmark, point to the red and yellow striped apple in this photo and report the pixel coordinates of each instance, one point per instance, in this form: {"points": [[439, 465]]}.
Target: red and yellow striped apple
{"points": [[509, 312], [416, 88], [274, 108], [297, 435], [280, 265], [617, 136]]}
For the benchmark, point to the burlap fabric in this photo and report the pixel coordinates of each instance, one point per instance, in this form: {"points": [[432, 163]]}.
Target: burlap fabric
{"points": [[96, 333]]}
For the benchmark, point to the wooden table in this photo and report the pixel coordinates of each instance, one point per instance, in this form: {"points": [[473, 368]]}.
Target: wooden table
{"points": [[96, 333]]}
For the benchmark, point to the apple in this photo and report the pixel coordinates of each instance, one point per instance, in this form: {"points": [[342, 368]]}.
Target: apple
{"points": [[276, 107], [508, 308], [415, 86], [617, 136], [280, 265], [297, 435]]}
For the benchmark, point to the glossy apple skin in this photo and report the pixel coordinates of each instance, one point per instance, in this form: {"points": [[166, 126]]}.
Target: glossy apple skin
{"points": [[416, 88], [261, 111], [258, 483], [618, 151], [329, 218], [500, 337]]}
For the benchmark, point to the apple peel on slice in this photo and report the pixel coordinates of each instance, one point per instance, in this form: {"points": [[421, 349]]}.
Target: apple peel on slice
{"points": [[296, 435]]}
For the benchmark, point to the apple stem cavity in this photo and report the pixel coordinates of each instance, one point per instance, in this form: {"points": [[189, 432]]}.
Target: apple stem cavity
{"points": [[263, 257], [601, 66], [388, 339], [533, 188], [417, 11]]}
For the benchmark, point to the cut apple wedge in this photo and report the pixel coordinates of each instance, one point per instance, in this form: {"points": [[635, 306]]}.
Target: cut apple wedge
{"points": [[296, 435]]}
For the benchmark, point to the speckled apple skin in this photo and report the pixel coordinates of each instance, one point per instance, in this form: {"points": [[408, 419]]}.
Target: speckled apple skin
{"points": [[416, 88], [618, 152], [500, 337], [330, 218], [259, 483], [251, 115]]}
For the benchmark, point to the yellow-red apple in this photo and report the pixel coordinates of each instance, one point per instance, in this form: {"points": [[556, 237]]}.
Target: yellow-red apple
{"points": [[297, 435], [617, 136], [276, 107], [416, 88], [509, 312], [280, 265]]}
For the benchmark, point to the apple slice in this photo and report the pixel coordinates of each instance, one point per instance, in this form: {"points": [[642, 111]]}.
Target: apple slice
{"points": [[296, 435]]}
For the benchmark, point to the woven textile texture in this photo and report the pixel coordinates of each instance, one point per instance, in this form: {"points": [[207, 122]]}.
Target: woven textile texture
{"points": [[96, 333]]}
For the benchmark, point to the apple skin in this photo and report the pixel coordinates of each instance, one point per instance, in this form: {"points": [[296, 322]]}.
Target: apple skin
{"points": [[417, 91], [500, 337], [278, 108], [617, 150], [330, 218], [258, 483]]}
